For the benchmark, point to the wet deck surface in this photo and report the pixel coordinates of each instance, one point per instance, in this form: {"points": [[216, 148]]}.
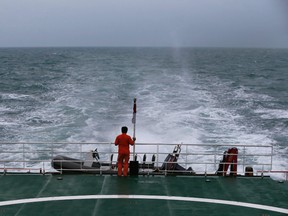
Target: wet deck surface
{"points": [[142, 195]]}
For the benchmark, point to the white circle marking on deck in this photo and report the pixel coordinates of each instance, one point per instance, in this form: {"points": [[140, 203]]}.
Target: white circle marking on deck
{"points": [[151, 197]]}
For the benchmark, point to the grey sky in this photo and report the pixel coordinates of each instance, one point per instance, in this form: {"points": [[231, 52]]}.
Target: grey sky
{"points": [[202, 23]]}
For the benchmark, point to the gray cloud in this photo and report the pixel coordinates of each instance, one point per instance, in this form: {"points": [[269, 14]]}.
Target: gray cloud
{"points": [[220, 23]]}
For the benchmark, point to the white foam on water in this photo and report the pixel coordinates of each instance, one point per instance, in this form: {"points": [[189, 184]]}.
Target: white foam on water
{"points": [[272, 113], [14, 96]]}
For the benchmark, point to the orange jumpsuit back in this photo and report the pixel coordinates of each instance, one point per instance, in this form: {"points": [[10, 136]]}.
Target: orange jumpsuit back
{"points": [[123, 141]]}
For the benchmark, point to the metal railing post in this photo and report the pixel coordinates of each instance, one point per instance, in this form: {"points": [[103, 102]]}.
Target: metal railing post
{"points": [[23, 155], [52, 150], [157, 155], [81, 153], [271, 161], [186, 162], [244, 157], [215, 153]]}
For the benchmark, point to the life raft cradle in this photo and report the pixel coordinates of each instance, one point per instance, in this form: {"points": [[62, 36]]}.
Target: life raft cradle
{"points": [[229, 160]]}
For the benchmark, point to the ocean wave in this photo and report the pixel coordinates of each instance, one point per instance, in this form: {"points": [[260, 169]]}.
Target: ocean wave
{"points": [[15, 96]]}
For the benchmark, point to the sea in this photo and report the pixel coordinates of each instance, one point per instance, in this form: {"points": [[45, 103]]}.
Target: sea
{"points": [[184, 95]]}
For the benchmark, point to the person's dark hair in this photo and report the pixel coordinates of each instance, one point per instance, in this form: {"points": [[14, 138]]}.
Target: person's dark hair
{"points": [[124, 129]]}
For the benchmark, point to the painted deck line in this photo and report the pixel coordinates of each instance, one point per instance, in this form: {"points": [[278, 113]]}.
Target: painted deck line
{"points": [[152, 197]]}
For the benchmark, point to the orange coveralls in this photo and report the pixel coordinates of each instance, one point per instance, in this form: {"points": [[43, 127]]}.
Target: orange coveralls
{"points": [[123, 140]]}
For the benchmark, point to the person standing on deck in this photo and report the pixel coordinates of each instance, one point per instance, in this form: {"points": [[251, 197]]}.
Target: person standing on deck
{"points": [[123, 141]]}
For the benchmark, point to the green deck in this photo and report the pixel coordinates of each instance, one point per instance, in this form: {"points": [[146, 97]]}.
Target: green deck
{"points": [[162, 191]]}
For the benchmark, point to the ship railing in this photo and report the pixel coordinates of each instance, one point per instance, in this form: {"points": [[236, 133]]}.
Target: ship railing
{"points": [[283, 172], [202, 158]]}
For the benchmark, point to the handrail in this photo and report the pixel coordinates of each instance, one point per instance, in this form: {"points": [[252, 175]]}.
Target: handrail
{"points": [[203, 158]]}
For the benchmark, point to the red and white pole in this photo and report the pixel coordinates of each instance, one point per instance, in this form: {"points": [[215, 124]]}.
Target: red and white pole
{"points": [[134, 123]]}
